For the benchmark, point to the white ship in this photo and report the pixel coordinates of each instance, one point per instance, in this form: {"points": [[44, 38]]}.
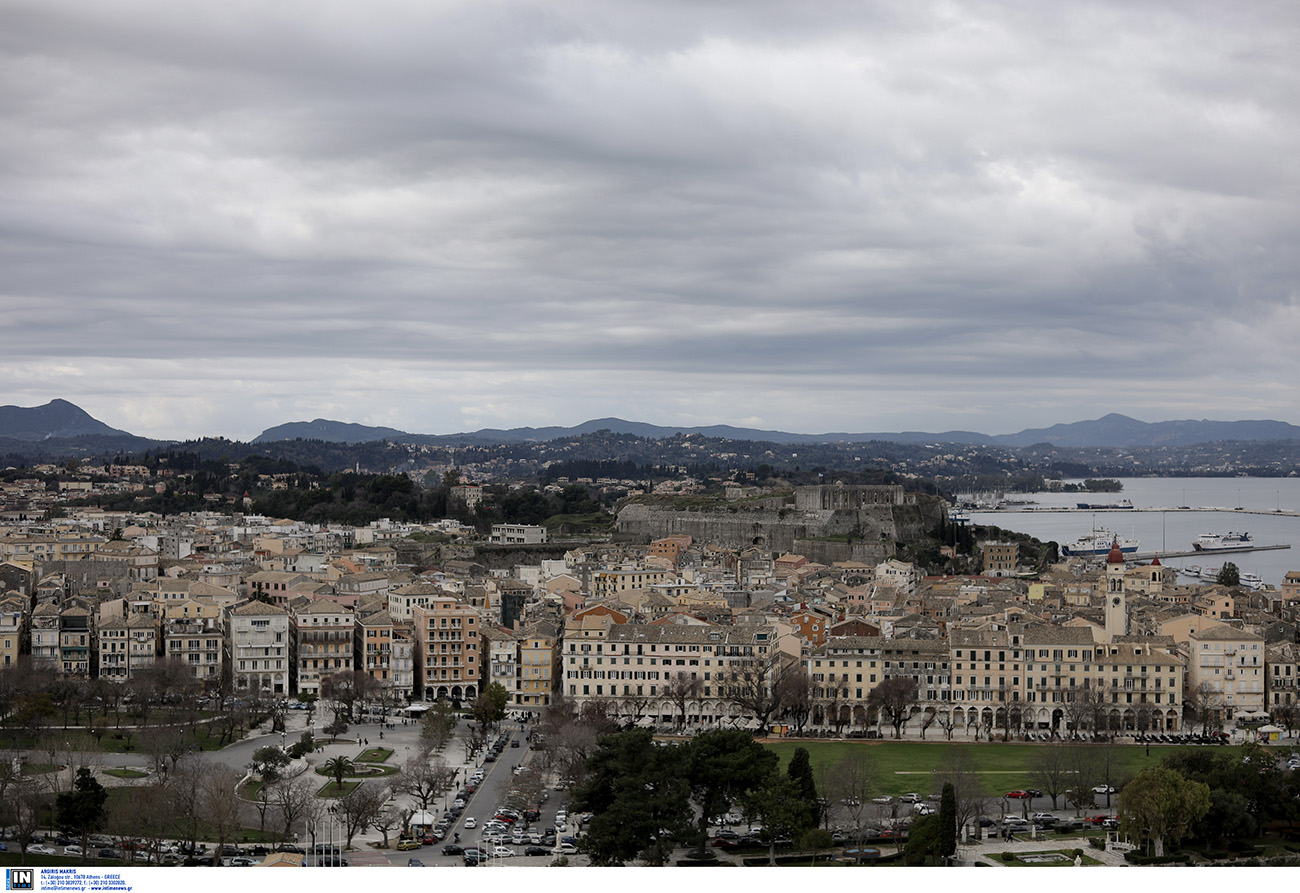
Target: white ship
{"points": [[1219, 542], [1099, 542]]}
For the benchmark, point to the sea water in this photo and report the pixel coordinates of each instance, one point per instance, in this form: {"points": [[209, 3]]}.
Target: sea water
{"points": [[1168, 513]]}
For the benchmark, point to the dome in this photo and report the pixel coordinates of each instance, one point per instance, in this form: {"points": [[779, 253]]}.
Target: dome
{"points": [[1115, 556]]}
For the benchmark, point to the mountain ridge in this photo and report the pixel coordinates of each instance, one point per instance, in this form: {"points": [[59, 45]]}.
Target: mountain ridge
{"points": [[61, 419]]}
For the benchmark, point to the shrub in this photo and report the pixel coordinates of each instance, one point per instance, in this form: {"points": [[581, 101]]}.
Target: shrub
{"points": [[1008, 857]]}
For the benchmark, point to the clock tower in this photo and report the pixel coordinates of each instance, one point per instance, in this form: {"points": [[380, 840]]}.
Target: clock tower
{"points": [[1116, 604]]}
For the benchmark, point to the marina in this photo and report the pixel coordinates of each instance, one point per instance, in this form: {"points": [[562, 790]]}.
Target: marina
{"points": [[1168, 517]]}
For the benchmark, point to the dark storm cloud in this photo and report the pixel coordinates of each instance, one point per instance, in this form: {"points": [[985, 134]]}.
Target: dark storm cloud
{"points": [[832, 218]]}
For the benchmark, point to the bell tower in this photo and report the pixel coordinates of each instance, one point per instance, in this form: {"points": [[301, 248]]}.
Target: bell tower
{"points": [[1116, 603]]}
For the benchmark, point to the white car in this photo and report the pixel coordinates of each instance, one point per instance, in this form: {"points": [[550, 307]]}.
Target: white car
{"points": [[886, 799], [72, 850], [1103, 789], [471, 822], [910, 798], [925, 809], [502, 852], [568, 849], [41, 849]]}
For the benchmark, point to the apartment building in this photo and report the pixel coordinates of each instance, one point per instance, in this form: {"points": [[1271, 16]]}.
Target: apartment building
{"points": [[260, 647], [637, 668], [198, 642], [448, 658], [323, 643], [126, 646], [538, 664], [372, 647], [845, 670], [1225, 671]]}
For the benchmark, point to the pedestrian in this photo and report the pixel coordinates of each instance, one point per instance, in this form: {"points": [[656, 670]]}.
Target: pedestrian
{"points": [[381, 734], [367, 742]]}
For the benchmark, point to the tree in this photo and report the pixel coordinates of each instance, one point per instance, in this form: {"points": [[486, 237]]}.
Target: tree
{"points": [[924, 840], [723, 766], [360, 807], [948, 821], [1052, 767], [425, 779], [850, 784], [679, 690], [490, 706], [800, 772], [80, 811], [345, 691], [438, 726], [219, 805], [1203, 704], [269, 762], [753, 685], [778, 804], [639, 797], [893, 698], [957, 770], [294, 798], [1163, 804], [1229, 575], [338, 767], [796, 697]]}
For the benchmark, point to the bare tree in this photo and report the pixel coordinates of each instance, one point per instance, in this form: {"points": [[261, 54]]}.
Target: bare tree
{"points": [[850, 785], [359, 808], [425, 779], [679, 689], [795, 695], [220, 805], [957, 768], [753, 686], [294, 798], [894, 697], [928, 718], [1204, 705], [346, 691], [28, 808], [1054, 767]]}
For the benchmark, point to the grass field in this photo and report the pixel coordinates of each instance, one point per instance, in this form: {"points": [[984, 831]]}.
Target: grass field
{"points": [[906, 766]]}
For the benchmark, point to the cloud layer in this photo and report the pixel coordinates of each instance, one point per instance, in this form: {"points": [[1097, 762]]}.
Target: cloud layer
{"points": [[439, 216]]}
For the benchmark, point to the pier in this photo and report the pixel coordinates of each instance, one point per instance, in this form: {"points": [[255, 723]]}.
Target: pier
{"points": [[1061, 509]]}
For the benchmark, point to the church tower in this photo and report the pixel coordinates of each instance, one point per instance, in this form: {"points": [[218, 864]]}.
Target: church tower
{"points": [[1116, 604]]}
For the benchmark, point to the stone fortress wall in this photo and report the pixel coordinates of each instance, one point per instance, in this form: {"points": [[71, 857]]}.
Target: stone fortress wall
{"points": [[830, 522]]}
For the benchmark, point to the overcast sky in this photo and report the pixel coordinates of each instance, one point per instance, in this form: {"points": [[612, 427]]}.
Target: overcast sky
{"points": [[441, 216]]}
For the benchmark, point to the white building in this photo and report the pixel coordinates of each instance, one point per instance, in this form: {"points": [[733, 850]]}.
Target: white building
{"points": [[259, 647]]}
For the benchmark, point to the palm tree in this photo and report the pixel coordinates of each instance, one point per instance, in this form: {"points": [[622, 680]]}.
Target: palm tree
{"points": [[338, 767]]}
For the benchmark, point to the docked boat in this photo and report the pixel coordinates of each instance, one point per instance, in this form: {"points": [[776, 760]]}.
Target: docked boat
{"points": [[1220, 542], [1099, 542], [1210, 573], [1251, 581], [1124, 504]]}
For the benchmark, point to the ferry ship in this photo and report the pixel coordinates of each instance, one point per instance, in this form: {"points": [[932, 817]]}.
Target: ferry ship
{"points": [[1099, 542], [1219, 542]]}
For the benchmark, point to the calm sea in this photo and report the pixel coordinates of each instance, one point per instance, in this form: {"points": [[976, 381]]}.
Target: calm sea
{"points": [[1218, 505]]}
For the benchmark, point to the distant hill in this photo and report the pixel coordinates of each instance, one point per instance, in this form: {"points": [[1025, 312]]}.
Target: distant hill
{"points": [[57, 419], [331, 432], [1113, 430]]}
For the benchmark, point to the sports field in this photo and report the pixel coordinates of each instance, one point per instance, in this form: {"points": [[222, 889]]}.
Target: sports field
{"points": [[906, 766]]}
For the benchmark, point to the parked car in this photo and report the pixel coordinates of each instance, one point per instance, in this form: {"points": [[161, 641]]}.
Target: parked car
{"points": [[537, 851], [910, 798], [453, 849], [1044, 818], [502, 852], [72, 850], [883, 800], [568, 849], [407, 843], [1033, 792], [238, 861], [41, 849], [1103, 789], [1017, 795], [414, 863]]}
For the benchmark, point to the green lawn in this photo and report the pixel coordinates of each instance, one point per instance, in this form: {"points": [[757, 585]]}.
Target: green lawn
{"points": [[906, 766]]}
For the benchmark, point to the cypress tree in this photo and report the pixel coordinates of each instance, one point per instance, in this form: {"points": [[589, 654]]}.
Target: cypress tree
{"points": [[800, 772], [948, 821]]}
